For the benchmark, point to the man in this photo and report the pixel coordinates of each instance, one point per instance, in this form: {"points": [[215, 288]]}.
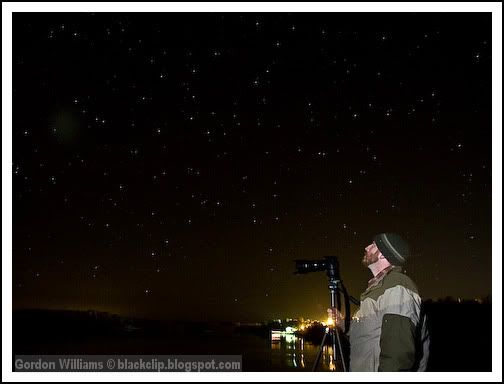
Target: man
{"points": [[388, 332]]}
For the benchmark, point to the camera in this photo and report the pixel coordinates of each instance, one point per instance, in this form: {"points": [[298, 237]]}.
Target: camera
{"points": [[329, 264]]}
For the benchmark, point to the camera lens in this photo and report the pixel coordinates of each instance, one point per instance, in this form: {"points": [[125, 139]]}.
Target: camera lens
{"points": [[306, 266]]}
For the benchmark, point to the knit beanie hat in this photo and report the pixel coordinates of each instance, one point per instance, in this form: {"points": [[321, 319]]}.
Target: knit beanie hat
{"points": [[395, 249]]}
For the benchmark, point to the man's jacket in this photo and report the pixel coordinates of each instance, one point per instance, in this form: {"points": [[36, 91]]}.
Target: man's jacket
{"points": [[388, 332]]}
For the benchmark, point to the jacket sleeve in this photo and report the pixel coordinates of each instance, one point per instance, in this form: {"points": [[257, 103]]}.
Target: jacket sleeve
{"points": [[397, 343]]}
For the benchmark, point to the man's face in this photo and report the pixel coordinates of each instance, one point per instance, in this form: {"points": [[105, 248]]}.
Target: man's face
{"points": [[371, 254]]}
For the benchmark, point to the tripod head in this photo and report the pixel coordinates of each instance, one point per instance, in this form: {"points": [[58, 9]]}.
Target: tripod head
{"points": [[333, 272]]}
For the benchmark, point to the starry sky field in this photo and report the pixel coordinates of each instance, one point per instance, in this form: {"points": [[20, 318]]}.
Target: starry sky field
{"points": [[174, 165]]}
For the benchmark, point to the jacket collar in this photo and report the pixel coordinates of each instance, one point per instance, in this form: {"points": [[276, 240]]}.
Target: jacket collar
{"points": [[380, 276]]}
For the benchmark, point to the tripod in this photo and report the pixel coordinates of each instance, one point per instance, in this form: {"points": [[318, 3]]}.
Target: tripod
{"points": [[334, 286], [331, 266]]}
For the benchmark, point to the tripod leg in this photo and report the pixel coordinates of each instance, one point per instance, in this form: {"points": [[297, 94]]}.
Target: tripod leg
{"points": [[334, 333], [336, 337], [319, 353]]}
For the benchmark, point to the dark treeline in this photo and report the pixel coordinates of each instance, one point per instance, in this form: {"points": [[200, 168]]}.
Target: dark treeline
{"points": [[461, 335]]}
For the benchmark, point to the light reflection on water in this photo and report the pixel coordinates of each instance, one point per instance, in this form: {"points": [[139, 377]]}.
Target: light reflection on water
{"points": [[289, 352]]}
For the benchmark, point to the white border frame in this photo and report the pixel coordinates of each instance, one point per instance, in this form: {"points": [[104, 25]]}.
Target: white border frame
{"points": [[495, 8]]}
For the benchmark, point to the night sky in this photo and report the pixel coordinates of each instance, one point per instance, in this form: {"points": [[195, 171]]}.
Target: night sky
{"points": [[173, 165]]}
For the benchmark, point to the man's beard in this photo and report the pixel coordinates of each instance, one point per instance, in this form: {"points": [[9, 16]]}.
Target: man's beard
{"points": [[367, 260]]}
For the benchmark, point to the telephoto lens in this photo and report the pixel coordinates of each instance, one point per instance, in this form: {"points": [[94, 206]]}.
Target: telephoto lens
{"points": [[307, 266]]}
